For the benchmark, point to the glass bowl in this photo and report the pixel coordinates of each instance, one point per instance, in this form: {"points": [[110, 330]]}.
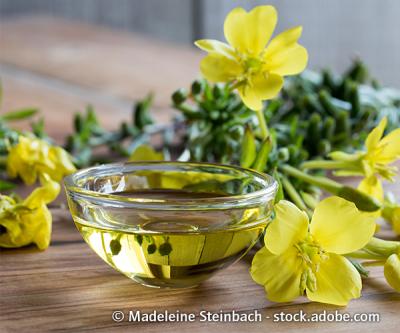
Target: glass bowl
{"points": [[170, 224]]}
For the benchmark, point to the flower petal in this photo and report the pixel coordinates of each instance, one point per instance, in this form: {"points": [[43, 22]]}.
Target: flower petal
{"points": [[339, 227], [390, 146], [261, 87], [216, 67], [375, 136], [215, 46], [284, 56], [373, 187], [146, 153], [337, 282], [250, 32], [289, 227], [392, 271], [43, 195], [279, 274]]}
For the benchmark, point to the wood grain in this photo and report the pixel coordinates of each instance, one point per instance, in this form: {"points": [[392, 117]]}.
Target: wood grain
{"points": [[120, 64], [68, 288]]}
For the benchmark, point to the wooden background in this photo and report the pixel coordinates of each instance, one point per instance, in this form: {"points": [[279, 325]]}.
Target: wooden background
{"points": [[334, 31], [60, 67]]}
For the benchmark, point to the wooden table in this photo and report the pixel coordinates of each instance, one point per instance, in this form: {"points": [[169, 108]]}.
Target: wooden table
{"points": [[59, 67]]}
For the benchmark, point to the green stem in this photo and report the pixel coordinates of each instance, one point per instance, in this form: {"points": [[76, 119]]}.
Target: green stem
{"points": [[374, 263], [263, 124], [327, 164], [361, 254], [382, 247], [293, 194], [363, 201], [323, 182]]}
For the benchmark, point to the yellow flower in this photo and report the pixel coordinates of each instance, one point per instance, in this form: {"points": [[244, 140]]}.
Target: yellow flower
{"points": [[390, 209], [29, 221], [380, 153], [301, 257], [254, 63], [145, 153], [392, 271], [32, 157]]}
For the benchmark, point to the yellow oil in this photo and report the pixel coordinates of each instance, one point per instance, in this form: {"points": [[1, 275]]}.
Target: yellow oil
{"points": [[182, 255]]}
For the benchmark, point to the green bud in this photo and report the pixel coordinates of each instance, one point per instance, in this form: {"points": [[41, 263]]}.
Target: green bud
{"points": [[363, 201], [324, 147], [328, 80], [343, 124], [328, 128], [248, 154], [262, 155], [217, 91], [197, 87], [179, 96], [354, 100], [325, 99], [358, 72], [283, 154], [78, 122], [141, 114]]}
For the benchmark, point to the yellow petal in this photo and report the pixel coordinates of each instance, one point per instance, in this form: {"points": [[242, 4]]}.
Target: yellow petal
{"points": [[216, 67], [261, 87], [392, 271], [375, 136], [284, 56], [41, 236], [146, 153], [373, 187], [339, 227], [390, 146], [337, 282], [215, 46], [250, 32], [289, 227], [279, 274], [43, 195]]}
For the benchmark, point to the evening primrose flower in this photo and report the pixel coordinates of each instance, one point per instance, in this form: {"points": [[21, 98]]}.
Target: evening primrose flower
{"points": [[251, 61], [32, 157], [307, 258], [380, 153], [29, 221]]}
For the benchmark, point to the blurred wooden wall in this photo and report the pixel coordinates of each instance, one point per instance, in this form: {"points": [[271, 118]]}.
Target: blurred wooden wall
{"points": [[334, 30]]}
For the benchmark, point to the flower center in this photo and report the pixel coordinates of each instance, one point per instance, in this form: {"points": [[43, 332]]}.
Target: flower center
{"points": [[312, 255]]}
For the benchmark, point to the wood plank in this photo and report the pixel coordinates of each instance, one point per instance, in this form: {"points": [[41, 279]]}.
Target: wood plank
{"points": [[120, 64], [58, 101], [68, 287]]}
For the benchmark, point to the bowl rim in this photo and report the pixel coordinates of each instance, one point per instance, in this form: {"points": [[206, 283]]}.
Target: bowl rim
{"points": [[265, 194]]}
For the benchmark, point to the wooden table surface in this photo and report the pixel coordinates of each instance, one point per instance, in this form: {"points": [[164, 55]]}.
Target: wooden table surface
{"points": [[60, 67]]}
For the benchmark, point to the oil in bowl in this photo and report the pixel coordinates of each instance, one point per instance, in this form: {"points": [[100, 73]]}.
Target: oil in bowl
{"points": [[170, 224]]}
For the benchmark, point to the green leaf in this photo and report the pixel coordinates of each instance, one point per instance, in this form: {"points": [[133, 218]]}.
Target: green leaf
{"points": [[5, 186], [19, 114], [141, 115], [262, 156], [248, 149]]}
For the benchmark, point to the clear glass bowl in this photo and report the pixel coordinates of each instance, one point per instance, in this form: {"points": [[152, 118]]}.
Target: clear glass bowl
{"points": [[170, 224]]}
